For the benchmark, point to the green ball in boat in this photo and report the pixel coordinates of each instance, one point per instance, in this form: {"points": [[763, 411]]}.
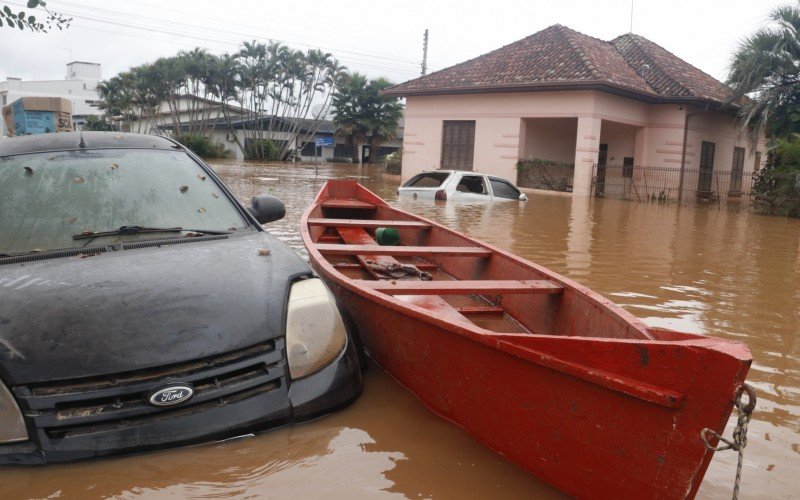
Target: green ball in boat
{"points": [[387, 236]]}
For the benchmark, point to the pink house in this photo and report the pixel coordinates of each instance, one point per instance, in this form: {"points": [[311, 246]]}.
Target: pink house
{"points": [[566, 97]]}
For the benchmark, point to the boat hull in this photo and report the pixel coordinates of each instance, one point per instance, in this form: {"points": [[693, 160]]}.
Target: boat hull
{"points": [[593, 415], [586, 439]]}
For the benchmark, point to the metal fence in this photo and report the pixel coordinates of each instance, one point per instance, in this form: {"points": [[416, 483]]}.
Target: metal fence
{"points": [[672, 185], [541, 174]]}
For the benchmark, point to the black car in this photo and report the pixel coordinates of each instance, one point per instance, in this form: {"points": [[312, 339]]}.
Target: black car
{"points": [[143, 307]]}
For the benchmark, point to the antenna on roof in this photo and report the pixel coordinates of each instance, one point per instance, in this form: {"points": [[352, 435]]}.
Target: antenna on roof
{"points": [[425, 53], [82, 144], [631, 30]]}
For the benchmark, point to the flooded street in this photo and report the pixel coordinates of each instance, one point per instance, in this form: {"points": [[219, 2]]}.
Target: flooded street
{"points": [[708, 271]]}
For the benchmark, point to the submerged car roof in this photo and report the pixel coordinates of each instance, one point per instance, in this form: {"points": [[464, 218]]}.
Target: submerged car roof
{"points": [[64, 141]]}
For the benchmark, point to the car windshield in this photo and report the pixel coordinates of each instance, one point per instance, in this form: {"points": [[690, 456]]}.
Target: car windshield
{"points": [[47, 198], [427, 180]]}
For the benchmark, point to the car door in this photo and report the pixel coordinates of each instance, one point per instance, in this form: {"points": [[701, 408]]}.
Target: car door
{"points": [[472, 187]]}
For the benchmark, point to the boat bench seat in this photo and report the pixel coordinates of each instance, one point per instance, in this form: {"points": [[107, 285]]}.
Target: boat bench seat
{"points": [[371, 249], [465, 287], [357, 235], [371, 223]]}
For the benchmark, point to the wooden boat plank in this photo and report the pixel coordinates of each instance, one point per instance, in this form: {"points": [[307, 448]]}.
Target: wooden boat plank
{"points": [[333, 249], [464, 287], [371, 223], [482, 310], [346, 203]]}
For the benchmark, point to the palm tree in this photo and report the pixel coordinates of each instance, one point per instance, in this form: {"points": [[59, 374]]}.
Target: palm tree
{"points": [[765, 76], [350, 118], [383, 116]]}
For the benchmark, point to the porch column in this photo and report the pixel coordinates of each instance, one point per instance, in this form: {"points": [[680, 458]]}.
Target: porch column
{"points": [[587, 149]]}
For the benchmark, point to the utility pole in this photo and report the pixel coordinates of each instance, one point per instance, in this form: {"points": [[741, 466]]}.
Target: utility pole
{"points": [[631, 30], [425, 53]]}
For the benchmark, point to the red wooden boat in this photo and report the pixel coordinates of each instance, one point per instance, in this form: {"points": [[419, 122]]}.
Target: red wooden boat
{"points": [[537, 367]]}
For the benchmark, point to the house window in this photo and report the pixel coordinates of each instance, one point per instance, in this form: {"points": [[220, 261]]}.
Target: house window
{"points": [[309, 149], [737, 169], [627, 167], [757, 162], [458, 144], [704, 179]]}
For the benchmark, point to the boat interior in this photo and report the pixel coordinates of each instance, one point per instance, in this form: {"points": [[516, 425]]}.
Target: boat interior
{"points": [[453, 276]]}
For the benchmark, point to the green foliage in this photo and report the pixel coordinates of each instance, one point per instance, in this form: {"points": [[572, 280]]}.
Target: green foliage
{"points": [[21, 20], [97, 123], [203, 146], [545, 174], [765, 75], [262, 149], [533, 163], [776, 188], [339, 159], [394, 162], [271, 87], [362, 114]]}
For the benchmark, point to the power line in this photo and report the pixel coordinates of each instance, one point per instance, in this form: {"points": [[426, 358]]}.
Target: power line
{"points": [[171, 25]]}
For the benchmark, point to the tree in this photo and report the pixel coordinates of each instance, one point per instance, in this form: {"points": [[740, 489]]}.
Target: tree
{"points": [[350, 117], [362, 114], [765, 76], [24, 21], [96, 123], [383, 116]]}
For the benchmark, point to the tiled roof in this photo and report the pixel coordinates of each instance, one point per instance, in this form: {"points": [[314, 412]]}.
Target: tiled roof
{"points": [[667, 73], [561, 58]]}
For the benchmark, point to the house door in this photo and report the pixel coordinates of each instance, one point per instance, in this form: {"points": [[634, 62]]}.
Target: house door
{"points": [[458, 144], [706, 167], [600, 182]]}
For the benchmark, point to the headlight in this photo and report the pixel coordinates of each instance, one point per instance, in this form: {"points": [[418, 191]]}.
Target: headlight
{"points": [[315, 332], [12, 427]]}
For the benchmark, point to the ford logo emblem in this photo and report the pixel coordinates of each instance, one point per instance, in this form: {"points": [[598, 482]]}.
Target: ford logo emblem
{"points": [[171, 395]]}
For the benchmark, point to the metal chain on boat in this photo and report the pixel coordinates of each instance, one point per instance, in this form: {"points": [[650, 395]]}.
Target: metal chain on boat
{"points": [[397, 270], [743, 414]]}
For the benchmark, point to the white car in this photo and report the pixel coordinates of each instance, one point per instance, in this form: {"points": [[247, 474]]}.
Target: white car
{"points": [[460, 185]]}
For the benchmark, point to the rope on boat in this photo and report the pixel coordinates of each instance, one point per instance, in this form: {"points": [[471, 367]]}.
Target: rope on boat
{"points": [[397, 270], [743, 414]]}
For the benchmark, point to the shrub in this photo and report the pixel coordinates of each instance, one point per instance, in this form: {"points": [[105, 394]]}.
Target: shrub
{"points": [[394, 162], [339, 159], [776, 187], [203, 146], [94, 122], [545, 174]]}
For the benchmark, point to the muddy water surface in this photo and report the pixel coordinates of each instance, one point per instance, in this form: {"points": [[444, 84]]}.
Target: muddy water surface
{"points": [[732, 275]]}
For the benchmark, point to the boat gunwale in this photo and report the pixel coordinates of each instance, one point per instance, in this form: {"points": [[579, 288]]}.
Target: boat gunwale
{"points": [[617, 313], [503, 341]]}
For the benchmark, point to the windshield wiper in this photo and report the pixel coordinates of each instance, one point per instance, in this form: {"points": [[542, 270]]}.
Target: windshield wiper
{"points": [[142, 230]]}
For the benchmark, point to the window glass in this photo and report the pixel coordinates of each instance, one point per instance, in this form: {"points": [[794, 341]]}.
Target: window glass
{"points": [[504, 189], [472, 184], [47, 198], [427, 180]]}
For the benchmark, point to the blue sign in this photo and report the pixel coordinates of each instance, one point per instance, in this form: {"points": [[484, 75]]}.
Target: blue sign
{"points": [[325, 142]]}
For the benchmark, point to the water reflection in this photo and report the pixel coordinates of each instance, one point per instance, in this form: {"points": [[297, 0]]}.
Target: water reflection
{"points": [[732, 275]]}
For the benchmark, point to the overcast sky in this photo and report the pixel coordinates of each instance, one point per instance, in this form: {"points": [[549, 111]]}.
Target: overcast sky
{"points": [[373, 37]]}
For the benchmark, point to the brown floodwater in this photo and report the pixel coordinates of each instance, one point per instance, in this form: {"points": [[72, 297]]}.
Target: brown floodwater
{"points": [[729, 274]]}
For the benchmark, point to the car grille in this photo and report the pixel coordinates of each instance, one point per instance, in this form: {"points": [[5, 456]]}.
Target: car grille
{"points": [[76, 407]]}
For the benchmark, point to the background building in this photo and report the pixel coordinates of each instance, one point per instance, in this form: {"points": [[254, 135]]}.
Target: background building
{"points": [[586, 104], [79, 86]]}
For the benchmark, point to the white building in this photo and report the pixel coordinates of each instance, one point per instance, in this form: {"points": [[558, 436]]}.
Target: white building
{"points": [[79, 87]]}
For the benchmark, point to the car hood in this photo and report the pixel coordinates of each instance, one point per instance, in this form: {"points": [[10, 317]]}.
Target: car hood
{"points": [[133, 309]]}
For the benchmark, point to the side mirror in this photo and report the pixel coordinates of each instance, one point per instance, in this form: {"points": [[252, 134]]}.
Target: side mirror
{"points": [[266, 208]]}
